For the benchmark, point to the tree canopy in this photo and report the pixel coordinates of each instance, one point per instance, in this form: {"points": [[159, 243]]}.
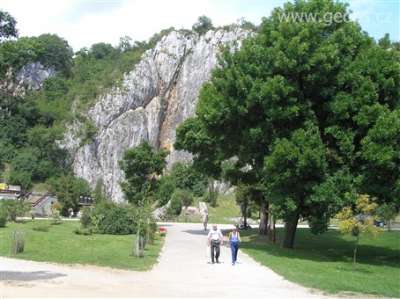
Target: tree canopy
{"points": [[300, 109], [7, 25], [141, 166]]}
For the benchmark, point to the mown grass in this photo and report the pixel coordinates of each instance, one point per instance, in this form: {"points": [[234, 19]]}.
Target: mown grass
{"points": [[225, 210], [61, 245], [325, 261]]}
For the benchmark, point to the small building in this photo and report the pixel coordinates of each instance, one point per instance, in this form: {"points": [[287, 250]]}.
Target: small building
{"points": [[41, 204], [9, 191]]}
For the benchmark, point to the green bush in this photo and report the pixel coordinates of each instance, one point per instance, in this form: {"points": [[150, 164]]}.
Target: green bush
{"points": [[211, 198], [15, 208], [56, 218], [175, 207], [114, 219], [86, 217], [165, 190]]}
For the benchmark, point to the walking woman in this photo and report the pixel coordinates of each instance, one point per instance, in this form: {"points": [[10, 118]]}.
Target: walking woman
{"points": [[234, 240]]}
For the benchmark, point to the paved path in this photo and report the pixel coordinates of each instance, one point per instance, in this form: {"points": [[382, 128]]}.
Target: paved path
{"points": [[183, 271]]}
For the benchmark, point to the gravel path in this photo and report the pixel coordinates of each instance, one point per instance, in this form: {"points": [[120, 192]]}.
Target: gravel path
{"points": [[183, 271]]}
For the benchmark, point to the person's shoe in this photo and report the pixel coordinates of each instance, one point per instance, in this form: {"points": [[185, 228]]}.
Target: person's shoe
{"points": [[212, 262], [218, 262], [233, 263]]}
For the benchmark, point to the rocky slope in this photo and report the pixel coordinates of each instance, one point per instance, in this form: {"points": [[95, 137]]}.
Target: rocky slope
{"points": [[151, 102], [30, 77]]}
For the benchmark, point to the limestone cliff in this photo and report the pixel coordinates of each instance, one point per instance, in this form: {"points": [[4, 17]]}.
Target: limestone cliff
{"points": [[30, 77], [153, 99]]}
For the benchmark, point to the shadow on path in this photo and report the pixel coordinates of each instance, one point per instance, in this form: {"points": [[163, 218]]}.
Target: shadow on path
{"points": [[197, 232], [28, 276]]}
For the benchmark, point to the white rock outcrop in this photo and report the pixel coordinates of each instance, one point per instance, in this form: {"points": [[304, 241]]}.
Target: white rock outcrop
{"points": [[154, 98]]}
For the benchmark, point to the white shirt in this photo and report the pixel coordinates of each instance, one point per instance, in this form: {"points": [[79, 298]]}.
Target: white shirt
{"points": [[215, 235]]}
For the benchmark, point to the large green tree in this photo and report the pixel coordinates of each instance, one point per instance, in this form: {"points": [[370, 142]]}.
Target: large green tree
{"points": [[141, 166], [68, 190], [299, 109]]}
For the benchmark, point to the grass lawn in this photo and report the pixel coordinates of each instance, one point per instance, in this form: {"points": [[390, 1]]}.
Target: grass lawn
{"points": [[225, 210], [61, 245], [325, 261]]}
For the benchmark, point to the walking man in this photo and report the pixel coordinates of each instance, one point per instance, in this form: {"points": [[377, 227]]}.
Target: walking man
{"points": [[215, 240]]}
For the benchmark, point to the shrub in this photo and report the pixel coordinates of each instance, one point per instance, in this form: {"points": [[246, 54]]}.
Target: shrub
{"points": [[86, 219], [56, 218], [17, 242], [16, 208], [175, 207], [186, 197], [115, 219], [165, 190], [41, 228], [211, 198]]}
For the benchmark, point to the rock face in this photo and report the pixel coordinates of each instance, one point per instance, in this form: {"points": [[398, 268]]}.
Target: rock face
{"points": [[152, 101], [30, 77]]}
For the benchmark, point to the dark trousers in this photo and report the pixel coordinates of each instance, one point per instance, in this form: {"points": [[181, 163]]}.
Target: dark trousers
{"points": [[234, 251], [215, 249]]}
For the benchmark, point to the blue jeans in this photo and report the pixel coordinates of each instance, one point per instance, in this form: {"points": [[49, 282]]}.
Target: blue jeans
{"points": [[234, 250]]}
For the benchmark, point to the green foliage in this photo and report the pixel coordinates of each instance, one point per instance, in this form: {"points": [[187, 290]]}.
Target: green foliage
{"points": [[112, 218], [166, 187], [175, 207], [49, 49], [86, 217], [211, 198], [15, 208], [184, 196], [68, 189], [359, 220], [185, 176], [7, 25], [181, 176], [3, 215], [202, 25], [380, 149], [141, 165], [387, 212], [283, 111], [55, 217]]}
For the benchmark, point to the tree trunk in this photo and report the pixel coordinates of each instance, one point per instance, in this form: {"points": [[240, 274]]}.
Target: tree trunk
{"points": [[274, 230], [263, 228], [389, 226], [290, 231], [271, 228], [243, 208]]}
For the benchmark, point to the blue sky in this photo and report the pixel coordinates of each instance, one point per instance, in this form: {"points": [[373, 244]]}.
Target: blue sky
{"points": [[84, 22]]}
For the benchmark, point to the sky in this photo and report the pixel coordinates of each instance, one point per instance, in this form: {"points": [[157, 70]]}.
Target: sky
{"points": [[85, 22]]}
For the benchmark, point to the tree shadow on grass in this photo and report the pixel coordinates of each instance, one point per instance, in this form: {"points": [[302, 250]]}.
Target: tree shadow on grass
{"points": [[328, 247], [28, 276]]}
